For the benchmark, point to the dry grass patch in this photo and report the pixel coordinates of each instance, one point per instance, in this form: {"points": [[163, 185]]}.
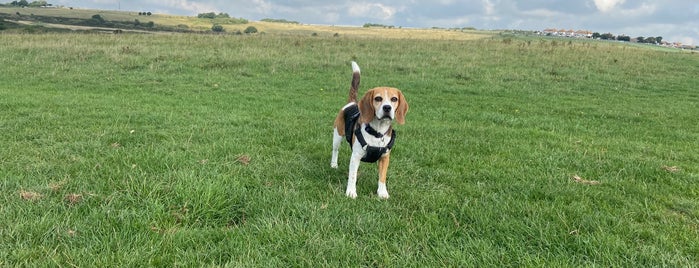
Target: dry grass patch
{"points": [[671, 169], [29, 195], [580, 180]]}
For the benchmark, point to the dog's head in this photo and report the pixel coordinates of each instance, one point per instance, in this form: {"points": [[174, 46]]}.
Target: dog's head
{"points": [[383, 103]]}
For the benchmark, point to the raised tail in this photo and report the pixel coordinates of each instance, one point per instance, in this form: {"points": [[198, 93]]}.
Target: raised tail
{"points": [[355, 83]]}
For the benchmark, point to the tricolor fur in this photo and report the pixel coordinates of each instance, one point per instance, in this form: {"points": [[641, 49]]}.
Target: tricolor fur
{"points": [[378, 108]]}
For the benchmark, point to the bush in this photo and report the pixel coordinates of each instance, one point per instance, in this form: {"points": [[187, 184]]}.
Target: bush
{"points": [[222, 16], [210, 15], [250, 30], [217, 28], [97, 19]]}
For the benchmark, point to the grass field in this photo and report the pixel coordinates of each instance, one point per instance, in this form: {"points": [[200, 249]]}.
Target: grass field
{"points": [[203, 150]]}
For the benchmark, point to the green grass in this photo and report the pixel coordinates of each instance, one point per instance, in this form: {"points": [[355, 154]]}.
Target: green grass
{"points": [[148, 131]]}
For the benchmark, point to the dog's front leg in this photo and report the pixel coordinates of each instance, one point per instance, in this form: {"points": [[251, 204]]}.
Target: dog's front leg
{"points": [[352, 175], [383, 169]]}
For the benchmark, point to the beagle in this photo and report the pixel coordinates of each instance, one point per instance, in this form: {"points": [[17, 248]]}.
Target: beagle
{"points": [[367, 127]]}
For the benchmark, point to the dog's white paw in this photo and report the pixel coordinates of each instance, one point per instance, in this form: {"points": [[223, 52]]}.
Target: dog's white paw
{"points": [[351, 193], [382, 191]]}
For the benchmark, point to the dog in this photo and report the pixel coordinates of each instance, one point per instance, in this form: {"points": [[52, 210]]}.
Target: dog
{"points": [[367, 126]]}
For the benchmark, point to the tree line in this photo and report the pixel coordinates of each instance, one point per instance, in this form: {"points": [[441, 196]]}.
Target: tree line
{"points": [[25, 3], [640, 39]]}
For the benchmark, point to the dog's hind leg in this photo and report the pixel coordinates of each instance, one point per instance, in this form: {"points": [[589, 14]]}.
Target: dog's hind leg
{"points": [[337, 141]]}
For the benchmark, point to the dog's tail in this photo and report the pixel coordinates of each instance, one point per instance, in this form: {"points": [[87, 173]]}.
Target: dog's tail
{"points": [[355, 83]]}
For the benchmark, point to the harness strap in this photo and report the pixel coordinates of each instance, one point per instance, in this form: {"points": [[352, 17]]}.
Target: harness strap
{"points": [[373, 153], [351, 117]]}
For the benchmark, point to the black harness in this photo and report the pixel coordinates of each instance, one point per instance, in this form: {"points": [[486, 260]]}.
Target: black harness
{"points": [[373, 153]]}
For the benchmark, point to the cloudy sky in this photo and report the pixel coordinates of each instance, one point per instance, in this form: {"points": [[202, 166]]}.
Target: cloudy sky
{"points": [[674, 20]]}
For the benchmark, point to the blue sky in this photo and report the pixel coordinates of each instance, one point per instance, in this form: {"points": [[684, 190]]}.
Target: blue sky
{"points": [[674, 20]]}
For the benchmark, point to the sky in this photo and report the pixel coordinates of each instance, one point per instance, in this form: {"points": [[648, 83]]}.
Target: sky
{"points": [[674, 20]]}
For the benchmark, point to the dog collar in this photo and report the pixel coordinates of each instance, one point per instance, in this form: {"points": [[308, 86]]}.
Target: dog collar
{"points": [[373, 131]]}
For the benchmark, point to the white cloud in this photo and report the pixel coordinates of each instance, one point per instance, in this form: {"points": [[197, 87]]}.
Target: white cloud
{"points": [[644, 9], [541, 12], [372, 10], [262, 6], [607, 5], [489, 7]]}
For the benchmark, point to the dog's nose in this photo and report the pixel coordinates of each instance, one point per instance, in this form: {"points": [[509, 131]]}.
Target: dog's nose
{"points": [[387, 108]]}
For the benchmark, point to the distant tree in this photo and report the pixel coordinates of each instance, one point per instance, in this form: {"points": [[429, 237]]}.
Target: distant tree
{"points": [[607, 36], [22, 3], [623, 38], [280, 21], [217, 28], [650, 40], [641, 39], [38, 4], [209, 15], [659, 39], [148, 13], [250, 30], [369, 25], [222, 16]]}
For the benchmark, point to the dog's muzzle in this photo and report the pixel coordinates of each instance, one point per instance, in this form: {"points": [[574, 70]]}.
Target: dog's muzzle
{"points": [[386, 110]]}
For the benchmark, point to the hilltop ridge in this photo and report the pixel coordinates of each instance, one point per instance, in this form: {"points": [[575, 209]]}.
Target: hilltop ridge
{"points": [[134, 21]]}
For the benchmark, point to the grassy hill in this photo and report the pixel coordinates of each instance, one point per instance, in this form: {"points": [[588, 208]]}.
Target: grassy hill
{"points": [[59, 17]]}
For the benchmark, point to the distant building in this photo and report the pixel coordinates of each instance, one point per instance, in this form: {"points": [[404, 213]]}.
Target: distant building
{"points": [[567, 33]]}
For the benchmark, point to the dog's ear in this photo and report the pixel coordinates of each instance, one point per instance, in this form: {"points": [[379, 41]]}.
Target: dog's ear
{"points": [[402, 108], [366, 107]]}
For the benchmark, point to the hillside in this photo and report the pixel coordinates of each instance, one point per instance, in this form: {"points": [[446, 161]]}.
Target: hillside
{"points": [[132, 21], [193, 150]]}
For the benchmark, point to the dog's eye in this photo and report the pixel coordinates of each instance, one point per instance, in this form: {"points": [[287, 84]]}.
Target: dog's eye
{"points": [[394, 99], [378, 99]]}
